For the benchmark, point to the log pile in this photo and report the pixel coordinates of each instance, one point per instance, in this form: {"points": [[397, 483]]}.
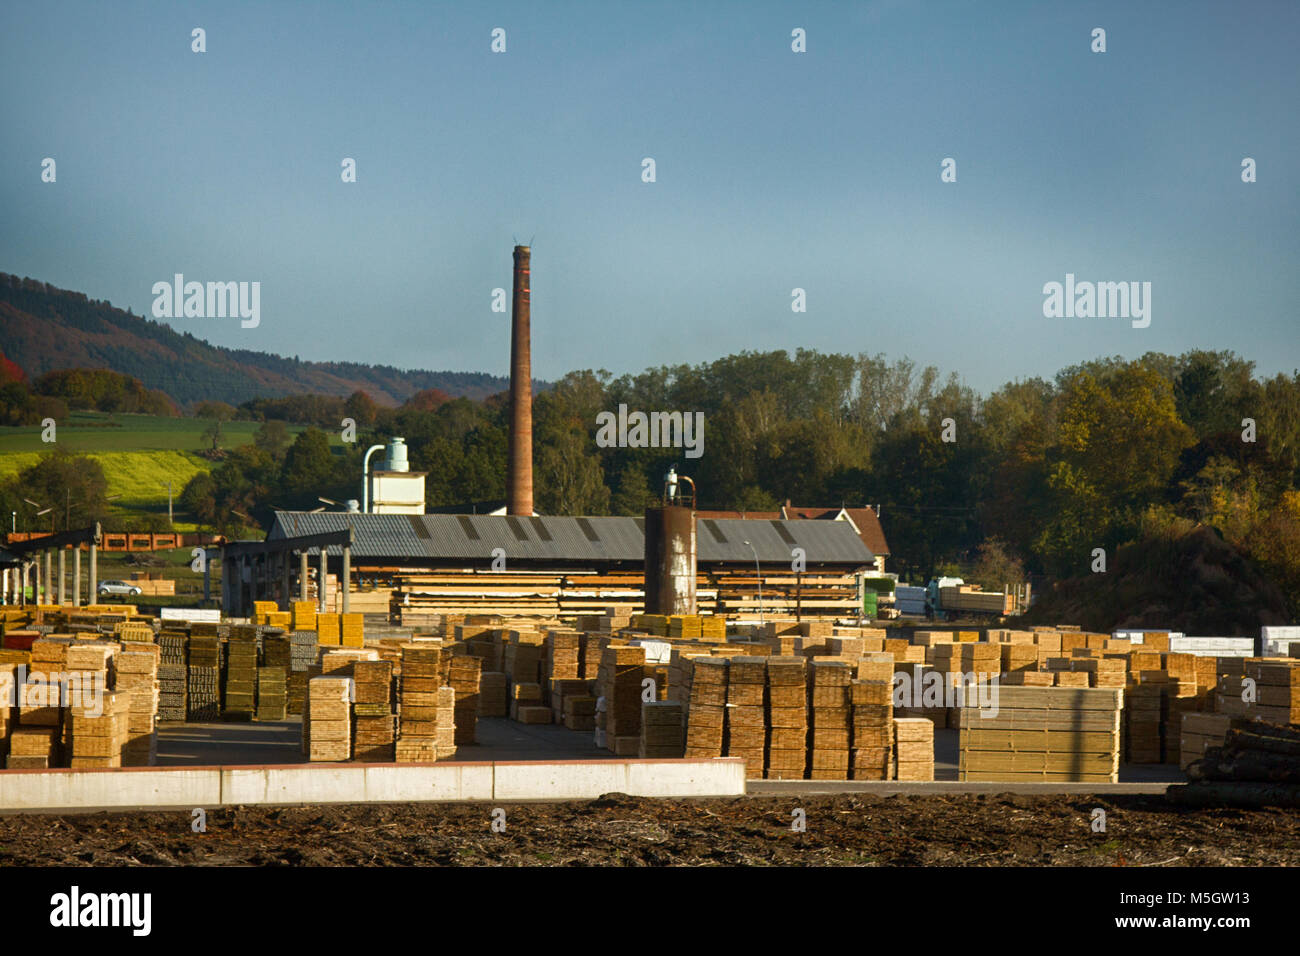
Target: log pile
{"points": [[1257, 766]]}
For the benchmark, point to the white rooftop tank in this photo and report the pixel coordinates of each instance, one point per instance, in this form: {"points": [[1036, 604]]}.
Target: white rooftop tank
{"points": [[397, 456]]}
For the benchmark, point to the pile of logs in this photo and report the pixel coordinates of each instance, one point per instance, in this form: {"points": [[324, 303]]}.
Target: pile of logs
{"points": [[1257, 766]]}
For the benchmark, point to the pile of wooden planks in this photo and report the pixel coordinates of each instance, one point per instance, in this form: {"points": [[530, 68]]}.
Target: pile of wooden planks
{"points": [[203, 685], [708, 703], [661, 729], [1277, 684], [137, 686], [871, 696], [328, 729], [352, 629], [745, 715], [578, 710], [240, 699], [784, 593], [8, 697], [526, 704], [464, 673], [1146, 716], [576, 592], [1042, 733], [831, 709], [374, 730], [302, 616], [622, 668], [913, 757], [96, 731], [304, 654], [272, 693], [417, 703], [33, 748], [493, 694], [787, 690]]}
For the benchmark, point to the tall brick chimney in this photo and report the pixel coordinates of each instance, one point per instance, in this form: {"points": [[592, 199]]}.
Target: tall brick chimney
{"points": [[519, 471]]}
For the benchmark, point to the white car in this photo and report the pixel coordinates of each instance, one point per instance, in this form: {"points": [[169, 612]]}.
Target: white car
{"points": [[118, 587]]}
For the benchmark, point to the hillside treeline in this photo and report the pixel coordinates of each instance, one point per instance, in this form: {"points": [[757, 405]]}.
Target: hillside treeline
{"points": [[44, 328]]}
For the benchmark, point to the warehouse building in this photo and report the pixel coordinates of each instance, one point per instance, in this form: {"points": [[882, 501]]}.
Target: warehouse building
{"points": [[562, 565]]}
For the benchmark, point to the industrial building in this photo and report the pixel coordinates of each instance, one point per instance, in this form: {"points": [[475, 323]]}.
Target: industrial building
{"points": [[599, 558]]}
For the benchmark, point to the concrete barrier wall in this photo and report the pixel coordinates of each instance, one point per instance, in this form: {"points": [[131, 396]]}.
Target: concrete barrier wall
{"points": [[210, 787], [587, 779], [135, 787], [356, 783]]}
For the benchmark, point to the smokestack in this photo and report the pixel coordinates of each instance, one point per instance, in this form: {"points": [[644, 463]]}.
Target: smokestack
{"points": [[519, 471]]}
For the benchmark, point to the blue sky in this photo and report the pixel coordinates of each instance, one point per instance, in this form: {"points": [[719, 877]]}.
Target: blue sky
{"points": [[775, 170]]}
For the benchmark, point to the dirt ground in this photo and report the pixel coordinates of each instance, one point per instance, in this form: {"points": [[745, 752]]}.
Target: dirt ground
{"points": [[845, 830]]}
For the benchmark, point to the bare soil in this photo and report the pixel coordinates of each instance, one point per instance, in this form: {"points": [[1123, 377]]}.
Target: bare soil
{"points": [[844, 830]]}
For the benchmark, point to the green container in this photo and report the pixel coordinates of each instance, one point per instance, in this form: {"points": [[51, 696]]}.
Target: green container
{"points": [[869, 602]]}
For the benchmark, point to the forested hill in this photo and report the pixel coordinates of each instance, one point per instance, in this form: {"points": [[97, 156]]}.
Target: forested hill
{"points": [[43, 328]]}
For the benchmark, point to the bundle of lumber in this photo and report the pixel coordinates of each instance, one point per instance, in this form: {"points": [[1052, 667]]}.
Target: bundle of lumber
{"points": [[873, 718], [708, 702], [619, 683], [787, 714], [328, 732], [240, 697], [1042, 733], [137, 686], [745, 715], [373, 729], [492, 694], [913, 757], [203, 689], [802, 594], [828, 691], [417, 703], [661, 729], [464, 675]]}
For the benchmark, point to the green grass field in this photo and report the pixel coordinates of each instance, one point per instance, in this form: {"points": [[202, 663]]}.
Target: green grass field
{"points": [[101, 432], [138, 476], [139, 453]]}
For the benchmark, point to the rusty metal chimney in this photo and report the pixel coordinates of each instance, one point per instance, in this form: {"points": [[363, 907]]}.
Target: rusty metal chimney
{"points": [[519, 470]]}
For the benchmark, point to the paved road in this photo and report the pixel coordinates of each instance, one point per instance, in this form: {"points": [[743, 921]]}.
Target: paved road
{"points": [[802, 788], [231, 744], [278, 742]]}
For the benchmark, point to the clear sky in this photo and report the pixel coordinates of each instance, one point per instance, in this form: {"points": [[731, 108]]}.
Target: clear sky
{"points": [[775, 170]]}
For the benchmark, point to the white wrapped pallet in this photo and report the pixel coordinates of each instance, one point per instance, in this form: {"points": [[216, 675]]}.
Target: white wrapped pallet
{"points": [[1137, 636], [1213, 646], [1277, 641]]}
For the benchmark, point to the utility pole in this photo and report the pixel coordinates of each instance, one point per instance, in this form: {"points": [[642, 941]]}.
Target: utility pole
{"points": [[169, 502], [759, 572]]}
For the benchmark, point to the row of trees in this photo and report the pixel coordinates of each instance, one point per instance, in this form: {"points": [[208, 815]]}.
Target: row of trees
{"points": [[1038, 474], [56, 393], [1097, 456]]}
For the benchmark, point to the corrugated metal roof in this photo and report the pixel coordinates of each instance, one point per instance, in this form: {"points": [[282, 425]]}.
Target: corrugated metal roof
{"points": [[866, 520], [822, 541], [556, 538]]}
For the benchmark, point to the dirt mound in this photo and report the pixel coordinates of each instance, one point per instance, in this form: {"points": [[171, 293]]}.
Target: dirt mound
{"points": [[1196, 582], [842, 830]]}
